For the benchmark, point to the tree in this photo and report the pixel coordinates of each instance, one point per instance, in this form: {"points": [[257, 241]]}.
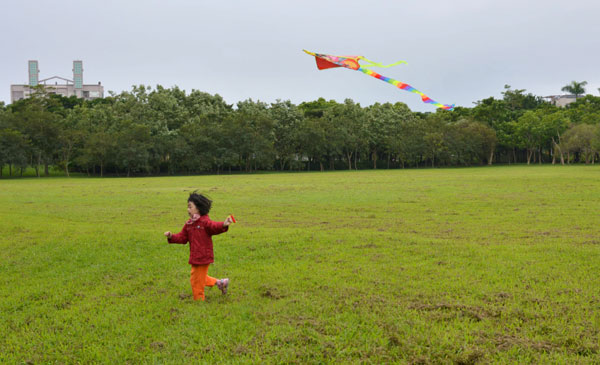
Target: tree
{"points": [[13, 149], [203, 138], [436, 130], [581, 139], [312, 141], [518, 102], [100, 137], [319, 126], [33, 118], [345, 126], [71, 135], [383, 129], [287, 118], [434, 142], [596, 140], [251, 132], [498, 115], [133, 143], [529, 131], [100, 147], [376, 128], [575, 88], [317, 108], [471, 142], [502, 115], [555, 123], [585, 110]]}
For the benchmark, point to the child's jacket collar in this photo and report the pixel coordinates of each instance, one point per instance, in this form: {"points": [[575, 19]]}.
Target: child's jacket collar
{"points": [[194, 218]]}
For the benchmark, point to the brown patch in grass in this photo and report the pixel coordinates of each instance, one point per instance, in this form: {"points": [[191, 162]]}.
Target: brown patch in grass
{"points": [[569, 291], [368, 245], [63, 305], [241, 350], [157, 345], [475, 313], [591, 242], [505, 342], [393, 340], [209, 348], [421, 360], [499, 297], [184, 296], [271, 293], [302, 321], [503, 295], [523, 316], [470, 357], [585, 349]]}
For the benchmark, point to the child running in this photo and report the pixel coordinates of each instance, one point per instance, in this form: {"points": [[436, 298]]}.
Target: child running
{"points": [[198, 230]]}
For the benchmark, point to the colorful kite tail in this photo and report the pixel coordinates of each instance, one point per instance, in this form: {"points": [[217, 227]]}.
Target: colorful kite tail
{"points": [[352, 62], [406, 87]]}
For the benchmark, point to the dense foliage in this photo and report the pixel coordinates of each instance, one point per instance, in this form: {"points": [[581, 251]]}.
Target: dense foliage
{"points": [[169, 131]]}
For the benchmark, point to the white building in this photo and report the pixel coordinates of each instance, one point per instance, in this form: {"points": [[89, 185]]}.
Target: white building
{"points": [[68, 88], [561, 100]]}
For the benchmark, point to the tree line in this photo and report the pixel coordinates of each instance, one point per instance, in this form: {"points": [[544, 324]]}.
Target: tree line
{"points": [[159, 131]]}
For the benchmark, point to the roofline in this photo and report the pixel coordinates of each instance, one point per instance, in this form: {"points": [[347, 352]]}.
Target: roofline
{"points": [[54, 85], [55, 77]]}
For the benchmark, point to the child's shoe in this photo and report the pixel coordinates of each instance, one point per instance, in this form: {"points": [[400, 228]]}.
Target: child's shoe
{"points": [[222, 285]]}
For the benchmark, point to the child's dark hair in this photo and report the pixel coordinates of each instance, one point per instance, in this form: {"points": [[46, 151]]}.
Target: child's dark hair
{"points": [[201, 202]]}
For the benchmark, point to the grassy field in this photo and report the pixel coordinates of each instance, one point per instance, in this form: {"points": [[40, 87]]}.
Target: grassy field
{"points": [[473, 265]]}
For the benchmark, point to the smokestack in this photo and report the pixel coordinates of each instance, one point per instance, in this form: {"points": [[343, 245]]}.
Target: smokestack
{"points": [[34, 73], [78, 74]]}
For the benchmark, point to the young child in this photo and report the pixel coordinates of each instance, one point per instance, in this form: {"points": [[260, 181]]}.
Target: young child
{"points": [[198, 230]]}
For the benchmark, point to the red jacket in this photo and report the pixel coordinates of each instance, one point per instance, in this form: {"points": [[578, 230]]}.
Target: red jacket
{"points": [[199, 233]]}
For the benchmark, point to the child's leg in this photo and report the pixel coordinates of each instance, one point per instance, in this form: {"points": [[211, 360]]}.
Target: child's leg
{"points": [[210, 281], [199, 279]]}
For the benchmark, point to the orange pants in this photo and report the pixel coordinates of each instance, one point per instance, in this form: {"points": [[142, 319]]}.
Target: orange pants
{"points": [[199, 279]]}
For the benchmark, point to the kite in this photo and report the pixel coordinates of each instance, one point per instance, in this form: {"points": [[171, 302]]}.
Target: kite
{"points": [[325, 61]]}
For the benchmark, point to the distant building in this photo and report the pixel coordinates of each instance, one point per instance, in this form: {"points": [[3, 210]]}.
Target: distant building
{"points": [[73, 87], [561, 100]]}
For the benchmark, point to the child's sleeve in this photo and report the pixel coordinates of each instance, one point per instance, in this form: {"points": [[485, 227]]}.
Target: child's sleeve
{"points": [[181, 237], [213, 228]]}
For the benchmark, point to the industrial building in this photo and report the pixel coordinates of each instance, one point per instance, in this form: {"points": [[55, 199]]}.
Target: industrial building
{"points": [[66, 88]]}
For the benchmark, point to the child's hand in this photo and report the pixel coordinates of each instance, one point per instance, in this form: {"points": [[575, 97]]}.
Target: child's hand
{"points": [[227, 221], [168, 234]]}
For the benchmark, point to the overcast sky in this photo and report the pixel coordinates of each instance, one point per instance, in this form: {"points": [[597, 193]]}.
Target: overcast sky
{"points": [[457, 51]]}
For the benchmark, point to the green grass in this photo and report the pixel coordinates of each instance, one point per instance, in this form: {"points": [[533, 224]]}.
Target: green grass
{"points": [[470, 265]]}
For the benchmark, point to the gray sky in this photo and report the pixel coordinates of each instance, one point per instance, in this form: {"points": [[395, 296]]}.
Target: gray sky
{"points": [[457, 51]]}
